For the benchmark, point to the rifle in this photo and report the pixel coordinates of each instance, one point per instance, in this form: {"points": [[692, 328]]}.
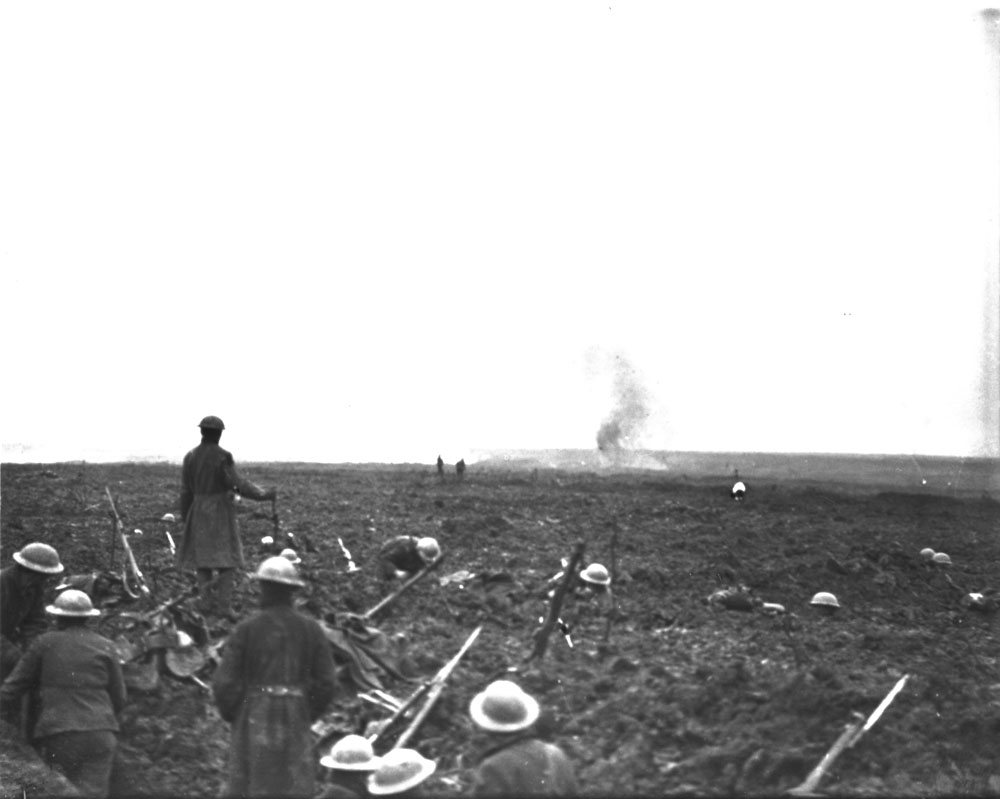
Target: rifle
{"points": [[395, 594], [436, 686], [552, 620], [120, 530], [848, 738]]}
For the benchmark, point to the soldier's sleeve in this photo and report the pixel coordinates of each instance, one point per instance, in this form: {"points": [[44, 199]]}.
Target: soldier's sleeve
{"points": [[116, 685], [489, 780], [240, 483], [187, 493], [323, 675], [227, 684], [23, 679], [35, 622]]}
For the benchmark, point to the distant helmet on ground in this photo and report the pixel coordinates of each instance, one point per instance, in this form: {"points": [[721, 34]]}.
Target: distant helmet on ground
{"points": [[940, 557], [825, 599], [73, 603], [739, 486], [39, 558], [595, 573], [504, 707], [400, 770], [292, 556], [927, 553], [352, 753], [428, 549], [168, 517], [279, 570], [211, 423]]}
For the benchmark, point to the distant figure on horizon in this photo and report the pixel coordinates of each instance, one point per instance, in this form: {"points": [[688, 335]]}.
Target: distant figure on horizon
{"points": [[460, 468], [739, 489], [440, 467]]}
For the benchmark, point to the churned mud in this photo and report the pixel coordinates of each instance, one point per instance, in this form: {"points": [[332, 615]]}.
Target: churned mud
{"points": [[675, 694]]}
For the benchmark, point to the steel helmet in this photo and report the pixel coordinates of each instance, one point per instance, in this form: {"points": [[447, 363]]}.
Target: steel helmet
{"points": [[927, 553], [400, 770], [291, 555], [211, 423], [168, 517], [597, 574], [72, 603], [941, 558], [825, 599], [504, 707], [428, 549], [279, 570], [352, 753], [39, 558]]}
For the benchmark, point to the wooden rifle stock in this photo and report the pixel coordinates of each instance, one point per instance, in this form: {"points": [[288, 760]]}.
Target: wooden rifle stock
{"points": [[436, 687]]}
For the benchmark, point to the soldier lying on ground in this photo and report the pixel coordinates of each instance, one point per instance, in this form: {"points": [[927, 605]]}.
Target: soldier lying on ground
{"points": [[405, 555], [515, 762]]}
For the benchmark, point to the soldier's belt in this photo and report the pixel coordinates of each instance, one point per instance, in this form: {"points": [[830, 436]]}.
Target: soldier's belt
{"points": [[279, 690]]}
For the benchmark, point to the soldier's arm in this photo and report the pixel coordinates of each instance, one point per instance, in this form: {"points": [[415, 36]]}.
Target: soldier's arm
{"points": [[23, 679], [187, 492], [245, 487], [228, 687], [116, 685], [323, 681]]}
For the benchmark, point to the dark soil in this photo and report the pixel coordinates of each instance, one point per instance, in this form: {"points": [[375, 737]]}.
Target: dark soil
{"points": [[677, 696]]}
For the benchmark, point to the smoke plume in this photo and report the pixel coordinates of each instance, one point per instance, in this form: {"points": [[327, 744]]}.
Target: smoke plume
{"points": [[630, 409]]}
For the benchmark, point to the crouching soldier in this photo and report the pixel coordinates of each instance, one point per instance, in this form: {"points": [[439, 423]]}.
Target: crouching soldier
{"points": [[80, 689], [275, 679], [22, 601], [516, 762], [405, 555]]}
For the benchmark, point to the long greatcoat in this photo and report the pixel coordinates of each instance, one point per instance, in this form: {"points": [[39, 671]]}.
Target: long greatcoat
{"points": [[211, 530], [275, 679]]}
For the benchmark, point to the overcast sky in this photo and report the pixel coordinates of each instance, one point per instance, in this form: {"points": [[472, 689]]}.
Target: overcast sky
{"points": [[382, 231]]}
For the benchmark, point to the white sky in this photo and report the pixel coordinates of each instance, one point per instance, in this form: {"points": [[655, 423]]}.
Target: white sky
{"points": [[383, 231]]}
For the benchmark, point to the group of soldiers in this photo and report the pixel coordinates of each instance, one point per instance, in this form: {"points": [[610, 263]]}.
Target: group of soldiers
{"points": [[64, 687]]}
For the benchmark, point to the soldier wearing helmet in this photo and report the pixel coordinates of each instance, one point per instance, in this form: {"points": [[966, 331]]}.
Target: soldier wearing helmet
{"points": [[211, 545], [22, 601], [350, 762], [275, 679], [515, 762], [405, 555], [76, 676]]}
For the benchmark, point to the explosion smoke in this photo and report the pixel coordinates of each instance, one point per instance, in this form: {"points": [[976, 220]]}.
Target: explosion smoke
{"points": [[627, 419]]}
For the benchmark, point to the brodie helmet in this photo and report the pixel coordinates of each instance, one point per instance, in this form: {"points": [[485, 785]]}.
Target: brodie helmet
{"points": [[39, 558], [504, 707], [72, 603], [825, 599], [279, 570]]}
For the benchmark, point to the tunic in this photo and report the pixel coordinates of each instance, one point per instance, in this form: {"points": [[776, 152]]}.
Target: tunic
{"points": [[524, 766], [78, 678], [211, 531], [275, 679], [22, 613]]}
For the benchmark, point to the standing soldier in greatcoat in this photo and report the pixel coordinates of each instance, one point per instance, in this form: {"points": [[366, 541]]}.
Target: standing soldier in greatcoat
{"points": [[212, 545], [275, 679]]}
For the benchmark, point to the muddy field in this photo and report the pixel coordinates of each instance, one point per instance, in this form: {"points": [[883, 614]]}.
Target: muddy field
{"points": [[677, 696]]}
